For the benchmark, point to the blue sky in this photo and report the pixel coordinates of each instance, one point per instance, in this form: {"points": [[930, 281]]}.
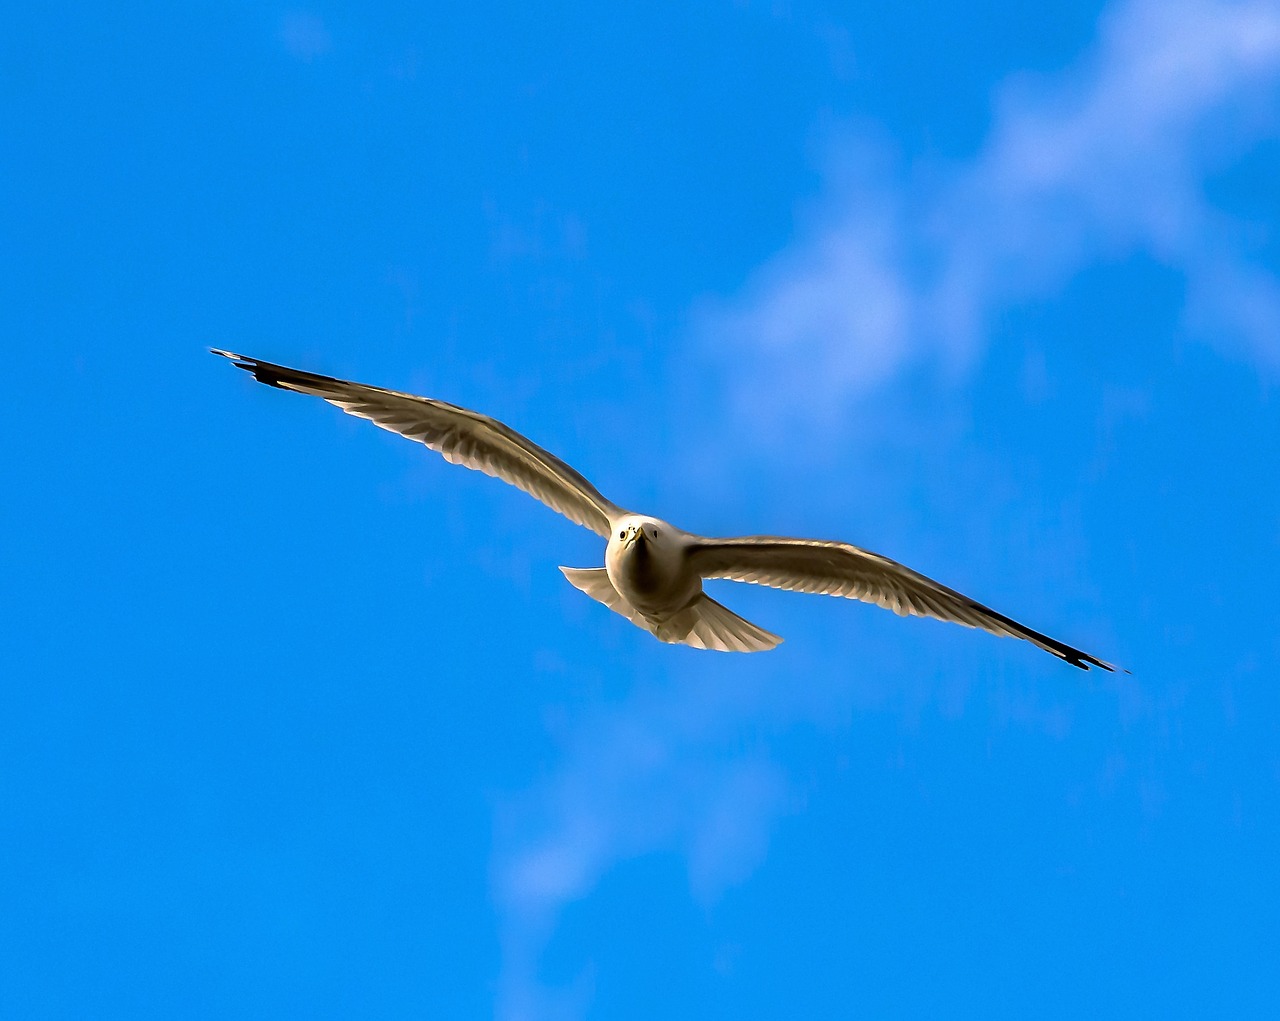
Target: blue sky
{"points": [[300, 720]]}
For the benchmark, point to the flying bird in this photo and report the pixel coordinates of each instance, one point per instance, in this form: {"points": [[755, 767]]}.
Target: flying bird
{"points": [[653, 571]]}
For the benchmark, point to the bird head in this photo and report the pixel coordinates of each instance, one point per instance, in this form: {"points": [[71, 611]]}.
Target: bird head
{"points": [[636, 531]]}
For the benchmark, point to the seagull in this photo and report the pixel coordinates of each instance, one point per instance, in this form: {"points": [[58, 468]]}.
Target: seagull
{"points": [[653, 572]]}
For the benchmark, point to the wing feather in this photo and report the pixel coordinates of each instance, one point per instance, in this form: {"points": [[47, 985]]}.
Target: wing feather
{"points": [[463, 437], [839, 569]]}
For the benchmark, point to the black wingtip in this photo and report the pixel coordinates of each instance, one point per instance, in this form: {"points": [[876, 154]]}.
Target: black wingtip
{"points": [[1077, 658], [240, 361], [268, 372], [1085, 662]]}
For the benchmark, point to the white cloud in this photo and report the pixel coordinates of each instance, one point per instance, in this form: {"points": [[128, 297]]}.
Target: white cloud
{"points": [[901, 270], [893, 272]]}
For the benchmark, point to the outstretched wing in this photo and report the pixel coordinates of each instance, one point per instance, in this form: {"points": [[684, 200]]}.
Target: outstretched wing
{"points": [[463, 437], [838, 569]]}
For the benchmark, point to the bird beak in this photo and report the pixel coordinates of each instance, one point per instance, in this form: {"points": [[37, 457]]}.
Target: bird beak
{"points": [[637, 536]]}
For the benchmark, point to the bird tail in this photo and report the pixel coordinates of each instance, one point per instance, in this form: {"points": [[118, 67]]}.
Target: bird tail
{"points": [[703, 624]]}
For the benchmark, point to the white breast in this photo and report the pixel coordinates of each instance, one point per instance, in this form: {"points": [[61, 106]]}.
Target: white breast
{"points": [[650, 573]]}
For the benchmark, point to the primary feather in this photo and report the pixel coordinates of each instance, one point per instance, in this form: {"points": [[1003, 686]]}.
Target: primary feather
{"points": [[463, 437], [839, 569]]}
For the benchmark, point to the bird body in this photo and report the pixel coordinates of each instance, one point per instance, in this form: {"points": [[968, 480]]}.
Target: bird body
{"points": [[653, 571], [649, 566]]}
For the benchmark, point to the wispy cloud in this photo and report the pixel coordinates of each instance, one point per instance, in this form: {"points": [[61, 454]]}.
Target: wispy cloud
{"points": [[304, 35], [646, 776], [900, 268]]}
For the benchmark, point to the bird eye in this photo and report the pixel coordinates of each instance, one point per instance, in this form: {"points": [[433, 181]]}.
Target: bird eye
{"points": [[622, 535], [655, 533]]}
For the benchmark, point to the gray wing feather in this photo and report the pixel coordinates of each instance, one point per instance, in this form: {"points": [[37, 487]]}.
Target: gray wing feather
{"points": [[463, 437], [839, 569]]}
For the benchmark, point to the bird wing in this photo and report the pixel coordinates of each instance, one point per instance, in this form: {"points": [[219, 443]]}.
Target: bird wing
{"points": [[838, 569], [463, 437]]}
